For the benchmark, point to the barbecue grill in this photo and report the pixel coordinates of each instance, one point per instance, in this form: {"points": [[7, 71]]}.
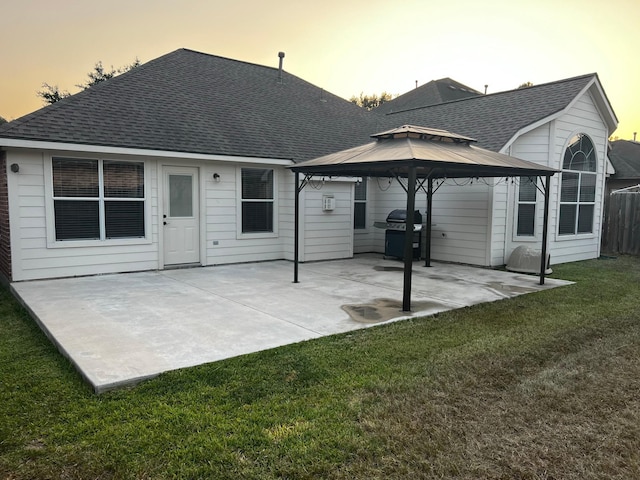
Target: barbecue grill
{"points": [[395, 228]]}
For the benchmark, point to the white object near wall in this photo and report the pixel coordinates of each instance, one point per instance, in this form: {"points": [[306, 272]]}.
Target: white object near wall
{"points": [[328, 203]]}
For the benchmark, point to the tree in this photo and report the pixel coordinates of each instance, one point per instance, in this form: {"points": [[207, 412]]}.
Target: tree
{"points": [[525, 85], [52, 93], [369, 102], [99, 74]]}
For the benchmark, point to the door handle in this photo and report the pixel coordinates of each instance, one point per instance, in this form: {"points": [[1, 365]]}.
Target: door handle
{"points": [[164, 223]]}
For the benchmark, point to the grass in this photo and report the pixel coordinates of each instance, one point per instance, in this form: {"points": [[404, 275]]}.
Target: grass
{"points": [[543, 386]]}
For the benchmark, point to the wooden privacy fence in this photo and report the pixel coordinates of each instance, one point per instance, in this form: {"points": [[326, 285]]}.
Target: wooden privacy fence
{"points": [[622, 225]]}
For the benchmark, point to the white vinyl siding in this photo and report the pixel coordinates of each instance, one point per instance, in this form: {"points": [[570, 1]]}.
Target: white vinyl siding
{"points": [[583, 117], [327, 234], [545, 145], [222, 205], [32, 257], [460, 218]]}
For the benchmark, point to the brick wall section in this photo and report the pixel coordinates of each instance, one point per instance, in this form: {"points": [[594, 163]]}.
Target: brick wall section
{"points": [[5, 236]]}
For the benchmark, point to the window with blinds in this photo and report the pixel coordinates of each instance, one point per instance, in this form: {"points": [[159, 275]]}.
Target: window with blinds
{"points": [[360, 205], [98, 199], [257, 200], [578, 187], [527, 207]]}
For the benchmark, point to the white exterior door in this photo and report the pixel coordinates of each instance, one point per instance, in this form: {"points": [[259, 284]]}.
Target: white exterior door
{"points": [[181, 217]]}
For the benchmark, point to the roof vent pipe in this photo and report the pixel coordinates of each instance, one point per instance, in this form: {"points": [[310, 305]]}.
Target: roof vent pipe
{"points": [[634, 136], [485, 89], [281, 56]]}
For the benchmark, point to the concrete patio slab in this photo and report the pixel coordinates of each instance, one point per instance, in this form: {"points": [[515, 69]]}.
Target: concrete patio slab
{"points": [[123, 328]]}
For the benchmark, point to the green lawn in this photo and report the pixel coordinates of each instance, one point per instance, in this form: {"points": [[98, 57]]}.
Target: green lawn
{"points": [[544, 386]]}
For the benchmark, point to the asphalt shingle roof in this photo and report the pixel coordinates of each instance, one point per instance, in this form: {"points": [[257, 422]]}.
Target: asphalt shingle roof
{"points": [[625, 158], [431, 93], [494, 119], [192, 102]]}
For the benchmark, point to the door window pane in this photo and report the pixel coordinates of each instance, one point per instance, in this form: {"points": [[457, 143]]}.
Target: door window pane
{"points": [[180, 196]]}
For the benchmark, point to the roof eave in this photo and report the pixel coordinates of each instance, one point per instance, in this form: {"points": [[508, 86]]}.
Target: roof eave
{"points": [[105, 149], [600, 99]]}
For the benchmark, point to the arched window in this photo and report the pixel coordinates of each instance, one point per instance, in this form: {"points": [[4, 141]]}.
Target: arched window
{"points": [[578, 188]]}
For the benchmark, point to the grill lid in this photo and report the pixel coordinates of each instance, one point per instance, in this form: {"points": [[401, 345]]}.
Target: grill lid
{"points": [[400, 216]]}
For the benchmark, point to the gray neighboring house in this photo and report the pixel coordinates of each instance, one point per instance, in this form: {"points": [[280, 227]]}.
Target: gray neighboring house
{"points": [[182, 161], [624, 156], [431, 93]]}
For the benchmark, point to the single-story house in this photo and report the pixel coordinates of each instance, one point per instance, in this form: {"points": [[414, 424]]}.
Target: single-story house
{"points": [[183, 161], [624, 155]]}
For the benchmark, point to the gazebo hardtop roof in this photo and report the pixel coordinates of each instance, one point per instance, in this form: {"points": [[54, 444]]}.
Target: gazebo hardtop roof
{"points": [[435, 153]]}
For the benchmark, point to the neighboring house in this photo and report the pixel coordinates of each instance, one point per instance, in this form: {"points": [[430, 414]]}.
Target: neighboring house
{"points": [[431, 93], [624, 155], [182, 161]]}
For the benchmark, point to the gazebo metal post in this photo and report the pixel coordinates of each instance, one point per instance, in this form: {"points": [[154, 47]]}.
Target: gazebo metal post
{"points": [[408, 238], [545, 228], [427, 240], [296, 233]]}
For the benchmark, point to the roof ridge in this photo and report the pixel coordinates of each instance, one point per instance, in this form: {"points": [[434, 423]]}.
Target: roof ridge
{"points": [[189, 50], [503, 92]]}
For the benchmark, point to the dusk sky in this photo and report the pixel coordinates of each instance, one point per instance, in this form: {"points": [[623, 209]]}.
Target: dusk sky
{"points": [[343, 46]]}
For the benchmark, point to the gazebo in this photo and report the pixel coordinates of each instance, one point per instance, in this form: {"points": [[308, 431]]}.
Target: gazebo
{"points": [[421, 155]]}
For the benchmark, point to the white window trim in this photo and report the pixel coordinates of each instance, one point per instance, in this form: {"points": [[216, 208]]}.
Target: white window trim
{"points": [[240, 235], [367, 223], [535, 238], [52, 242], [575, 236]]}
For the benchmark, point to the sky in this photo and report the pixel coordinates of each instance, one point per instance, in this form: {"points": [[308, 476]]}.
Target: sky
{"points": [[343, 46]]}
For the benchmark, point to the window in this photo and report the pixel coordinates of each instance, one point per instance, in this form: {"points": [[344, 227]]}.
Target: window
{"points": [[578, 187], [98, 199], [527, 207], [360, 205], [257, 200]]}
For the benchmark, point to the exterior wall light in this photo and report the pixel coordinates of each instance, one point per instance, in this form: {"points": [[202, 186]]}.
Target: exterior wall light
{"points": [[216, 177], [15, 168]]}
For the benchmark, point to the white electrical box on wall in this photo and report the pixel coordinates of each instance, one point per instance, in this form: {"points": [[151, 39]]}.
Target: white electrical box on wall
{"points": [[328, 203]]}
